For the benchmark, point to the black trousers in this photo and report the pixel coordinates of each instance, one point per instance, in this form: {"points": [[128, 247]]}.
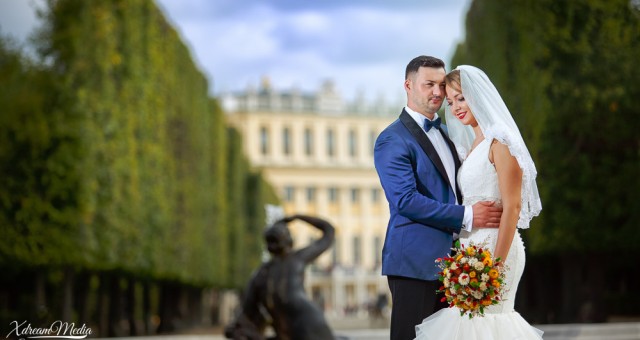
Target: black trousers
{"points": [[412, 301]]}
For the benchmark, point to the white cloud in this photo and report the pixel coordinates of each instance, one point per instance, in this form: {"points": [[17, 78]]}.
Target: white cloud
{"points": [[18, 17], [363, 45]]}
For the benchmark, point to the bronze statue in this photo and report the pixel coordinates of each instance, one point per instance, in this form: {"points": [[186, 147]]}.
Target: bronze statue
{"points": [[275, 294]]}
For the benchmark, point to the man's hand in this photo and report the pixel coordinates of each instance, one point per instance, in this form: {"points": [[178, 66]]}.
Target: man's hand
{"points": [[486, 215]]}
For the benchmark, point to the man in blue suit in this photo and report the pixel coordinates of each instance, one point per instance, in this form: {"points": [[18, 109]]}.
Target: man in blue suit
{"points": [[417, 164]]}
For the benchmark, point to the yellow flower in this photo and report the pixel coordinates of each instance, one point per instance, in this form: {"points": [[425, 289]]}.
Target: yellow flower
{"points": [[472, 274], [471, 251], [495, 283], [458, 257], [487, 261], [493, 274]]}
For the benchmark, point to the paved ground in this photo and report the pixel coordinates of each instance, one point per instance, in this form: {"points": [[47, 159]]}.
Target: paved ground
{"points": [[608, 331]]}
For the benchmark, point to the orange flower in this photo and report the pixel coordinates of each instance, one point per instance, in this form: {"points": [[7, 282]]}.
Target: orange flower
{"points": [[487, 261], [472, 274], [493, 274], [486, 302], [495, 283], [471, 251]]}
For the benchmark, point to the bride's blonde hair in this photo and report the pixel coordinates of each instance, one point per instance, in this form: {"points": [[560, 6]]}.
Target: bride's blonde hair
{"points": [[453, 80]]}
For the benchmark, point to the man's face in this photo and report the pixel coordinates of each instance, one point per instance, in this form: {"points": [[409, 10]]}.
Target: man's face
{"points": [[426, 90]]}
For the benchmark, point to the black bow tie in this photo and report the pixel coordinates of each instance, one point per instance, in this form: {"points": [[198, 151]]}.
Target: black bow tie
{"points": [[428, 124]]}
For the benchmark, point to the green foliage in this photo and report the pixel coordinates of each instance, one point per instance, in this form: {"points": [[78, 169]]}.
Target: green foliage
{"points": [[237, 220], [39, 146], [114, 157], [567, 71], [247, 195], [591, 157]]}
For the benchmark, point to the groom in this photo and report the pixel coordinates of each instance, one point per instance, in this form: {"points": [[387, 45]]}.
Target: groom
{"points": [[417, 165]]}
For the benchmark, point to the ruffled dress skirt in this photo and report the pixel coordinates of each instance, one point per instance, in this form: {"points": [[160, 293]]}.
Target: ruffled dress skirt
{"points": [[447, 324]]}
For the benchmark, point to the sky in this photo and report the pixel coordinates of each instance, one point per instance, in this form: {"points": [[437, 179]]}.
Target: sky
{"points": [[363, 46]]}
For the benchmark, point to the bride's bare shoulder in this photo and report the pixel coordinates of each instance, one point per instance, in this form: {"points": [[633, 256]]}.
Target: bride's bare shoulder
{"points": [[499, 151]]}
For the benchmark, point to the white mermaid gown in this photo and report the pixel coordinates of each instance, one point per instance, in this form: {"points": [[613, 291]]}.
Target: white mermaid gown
{"points": [[479, 182]]}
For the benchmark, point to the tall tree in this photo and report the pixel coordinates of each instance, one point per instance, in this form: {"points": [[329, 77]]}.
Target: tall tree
{"points": [[114, 170]]}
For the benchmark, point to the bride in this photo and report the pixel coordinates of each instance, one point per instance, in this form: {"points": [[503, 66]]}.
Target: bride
{"points": [[497, 167]]}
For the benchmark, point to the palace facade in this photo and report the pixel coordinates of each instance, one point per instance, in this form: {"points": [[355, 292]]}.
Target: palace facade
{"points": [[317, 151]]}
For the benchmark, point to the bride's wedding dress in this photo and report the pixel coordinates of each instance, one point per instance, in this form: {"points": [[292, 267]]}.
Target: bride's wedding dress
{"points": [[478, 181]]}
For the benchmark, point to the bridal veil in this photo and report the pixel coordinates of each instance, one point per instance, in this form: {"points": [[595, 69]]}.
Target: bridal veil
{"points": [[496, 122]]}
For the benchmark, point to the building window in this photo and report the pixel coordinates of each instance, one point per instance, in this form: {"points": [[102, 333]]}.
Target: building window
{"points": [[286, 141], [264, 140], [355, 195], [331, 143], [353, 143], [372, 141], [289, 192], [308, 142], [356, 250], [333, 194], [375, 195], [311, 194]]}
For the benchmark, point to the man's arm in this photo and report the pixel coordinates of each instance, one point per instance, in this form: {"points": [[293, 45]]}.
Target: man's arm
{"points": [[396, 173]]}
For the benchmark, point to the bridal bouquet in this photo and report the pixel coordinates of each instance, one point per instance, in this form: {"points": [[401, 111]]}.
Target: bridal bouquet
{"points": [[471, 279]]}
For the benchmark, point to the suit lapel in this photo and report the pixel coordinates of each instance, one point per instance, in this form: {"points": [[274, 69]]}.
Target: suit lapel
{"points": [[456, 160], [418, 133]]}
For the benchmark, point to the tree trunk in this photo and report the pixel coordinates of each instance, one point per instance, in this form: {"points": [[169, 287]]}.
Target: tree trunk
{"points": [[146, 307], [541, 294], [132, 307], [211, 307], [115, 310], [168, 308], [83, 297], [593, 308], [570, 283], [104, 304], [195, 307], [67, 294], [40, 302]]}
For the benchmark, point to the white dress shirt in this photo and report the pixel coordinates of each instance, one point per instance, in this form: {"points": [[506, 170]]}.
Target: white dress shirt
{"points": [[447, 160]]}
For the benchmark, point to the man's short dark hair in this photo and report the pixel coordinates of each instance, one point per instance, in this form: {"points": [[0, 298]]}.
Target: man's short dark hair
{"points": [[422, 61]]}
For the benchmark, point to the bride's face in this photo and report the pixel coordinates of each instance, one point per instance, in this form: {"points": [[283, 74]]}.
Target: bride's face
{"points": [[459, 107]]}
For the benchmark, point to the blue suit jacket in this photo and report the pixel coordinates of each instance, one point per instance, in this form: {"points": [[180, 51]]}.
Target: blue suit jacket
{"points": [[423, 211]]}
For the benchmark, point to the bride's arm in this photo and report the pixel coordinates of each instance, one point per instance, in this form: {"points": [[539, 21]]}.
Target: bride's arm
{"points": [[510, 184]]}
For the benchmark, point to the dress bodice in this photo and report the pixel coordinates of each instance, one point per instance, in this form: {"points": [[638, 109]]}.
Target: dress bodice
{"points": [[477, 176]]}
